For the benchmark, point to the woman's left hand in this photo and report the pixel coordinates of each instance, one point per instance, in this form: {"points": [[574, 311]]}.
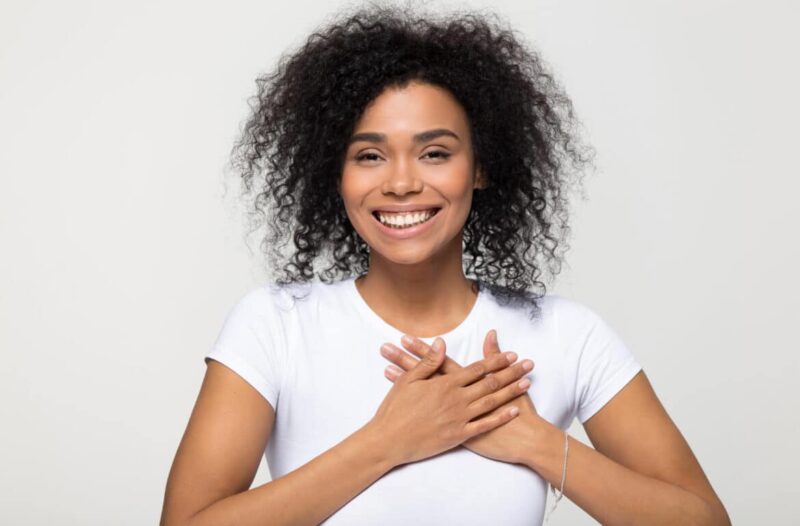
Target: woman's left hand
{"points": [[504, 443]]}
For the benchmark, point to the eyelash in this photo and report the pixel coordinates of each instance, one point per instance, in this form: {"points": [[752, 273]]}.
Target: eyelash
{"points": [[440, 155]]}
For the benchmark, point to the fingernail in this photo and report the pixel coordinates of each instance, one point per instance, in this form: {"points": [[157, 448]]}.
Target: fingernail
{"points": [[386, 351], [407, 340], [524, 384], [494, 336], [527, 365], [514, 411], [511, 356]]}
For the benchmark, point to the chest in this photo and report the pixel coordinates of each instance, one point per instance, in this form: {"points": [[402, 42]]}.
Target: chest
{"points": [[334, 383]]}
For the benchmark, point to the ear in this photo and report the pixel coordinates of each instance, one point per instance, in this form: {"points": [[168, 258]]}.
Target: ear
{"points": [[480, 181]]}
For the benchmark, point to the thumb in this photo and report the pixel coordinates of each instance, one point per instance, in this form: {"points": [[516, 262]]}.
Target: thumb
{"points": [[490, 344], [429, 364]]}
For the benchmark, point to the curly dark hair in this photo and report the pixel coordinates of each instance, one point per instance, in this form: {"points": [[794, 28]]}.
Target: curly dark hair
{"points": [[291, 150]]}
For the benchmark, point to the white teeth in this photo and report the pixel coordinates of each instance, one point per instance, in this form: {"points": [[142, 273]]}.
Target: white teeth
{"points": [[405, 220]]}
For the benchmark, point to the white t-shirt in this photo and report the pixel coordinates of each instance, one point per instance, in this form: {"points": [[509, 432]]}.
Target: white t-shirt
{"points": [[317, 361]]}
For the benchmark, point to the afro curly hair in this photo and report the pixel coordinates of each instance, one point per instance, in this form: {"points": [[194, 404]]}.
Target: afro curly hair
{"points": [[291, 150]]}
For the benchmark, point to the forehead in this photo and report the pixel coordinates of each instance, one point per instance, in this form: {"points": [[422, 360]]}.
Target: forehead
{"points": [[412, 108]]}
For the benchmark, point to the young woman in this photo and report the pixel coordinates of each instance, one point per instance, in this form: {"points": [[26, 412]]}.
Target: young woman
{"points": [[427, 161]]}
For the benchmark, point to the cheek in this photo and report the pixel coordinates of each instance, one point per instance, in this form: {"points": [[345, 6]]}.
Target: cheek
{"points": [[454, 179], [353, 185], [352, 190], [455, 186]]}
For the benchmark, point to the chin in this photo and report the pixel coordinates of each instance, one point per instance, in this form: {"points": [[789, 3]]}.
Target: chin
{"points": [[408, 258]]}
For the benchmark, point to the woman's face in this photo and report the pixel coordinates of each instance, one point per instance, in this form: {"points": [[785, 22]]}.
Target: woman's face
{"points": [[409, 173]]}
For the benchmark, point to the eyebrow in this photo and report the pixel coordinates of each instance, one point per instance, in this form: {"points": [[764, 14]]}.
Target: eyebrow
{"points": [[425, 136]]}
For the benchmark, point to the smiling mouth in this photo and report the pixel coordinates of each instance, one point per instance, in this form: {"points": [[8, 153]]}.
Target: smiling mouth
{"points": [[404, 220]]}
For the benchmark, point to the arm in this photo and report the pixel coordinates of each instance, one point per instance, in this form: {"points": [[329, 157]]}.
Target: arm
{"points": [[220, 452], [642, 472]]}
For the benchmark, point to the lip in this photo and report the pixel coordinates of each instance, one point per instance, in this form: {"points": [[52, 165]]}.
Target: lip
{"points": [[403, 208], [405, 233]]}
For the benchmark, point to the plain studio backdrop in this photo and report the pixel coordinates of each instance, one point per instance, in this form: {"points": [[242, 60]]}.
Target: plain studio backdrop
{"points": [[123, 247]]}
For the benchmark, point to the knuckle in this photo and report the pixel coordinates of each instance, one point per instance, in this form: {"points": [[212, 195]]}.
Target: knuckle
{"points": [[478, 368], [456, 433], [501, 360], [448, 381], [492, 382]]}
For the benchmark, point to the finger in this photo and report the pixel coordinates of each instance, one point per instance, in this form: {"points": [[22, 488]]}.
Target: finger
{"points": [[392, 372], [492, 382], [419, 349], [490, 421], [477, 370], [429, 364], [498, 398], [402, 358], [490, 344], [398, 357]]}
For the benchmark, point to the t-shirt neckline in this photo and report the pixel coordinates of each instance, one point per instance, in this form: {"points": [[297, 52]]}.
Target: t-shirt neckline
{"points": [[454, 334]]}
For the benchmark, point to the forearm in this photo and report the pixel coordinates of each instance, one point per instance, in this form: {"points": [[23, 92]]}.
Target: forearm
{"points": [[309, 494], [610, 492]]}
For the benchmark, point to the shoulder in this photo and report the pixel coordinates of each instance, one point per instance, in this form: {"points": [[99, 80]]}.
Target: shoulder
{"points": [[273, 297], [260, 311], [289, 307], [586, 334], [554, 309], [568, 312], [574, 322]]}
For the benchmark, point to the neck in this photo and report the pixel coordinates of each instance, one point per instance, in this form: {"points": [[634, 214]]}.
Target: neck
{"points": [[424, 299]]}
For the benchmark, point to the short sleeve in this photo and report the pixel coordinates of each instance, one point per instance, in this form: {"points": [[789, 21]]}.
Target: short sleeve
{"points": [[248, 343], [605, 366]]}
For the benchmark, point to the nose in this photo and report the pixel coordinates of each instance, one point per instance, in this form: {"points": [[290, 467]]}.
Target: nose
{"points": [[401, 179]]}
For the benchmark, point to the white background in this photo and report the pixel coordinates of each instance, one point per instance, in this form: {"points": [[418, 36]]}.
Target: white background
{"points": [[122, 252]]}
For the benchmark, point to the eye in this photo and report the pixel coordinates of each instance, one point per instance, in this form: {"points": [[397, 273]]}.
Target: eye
{"points": [[367, 157], [438, 154], [434, 154]]}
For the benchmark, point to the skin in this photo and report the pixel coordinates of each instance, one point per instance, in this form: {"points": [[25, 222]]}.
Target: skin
{"points": [[423, 414], [504, 443], [417, 284], [646, 475], [642, 471]]}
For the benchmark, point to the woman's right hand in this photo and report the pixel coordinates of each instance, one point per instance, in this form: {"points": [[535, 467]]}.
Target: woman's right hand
{"points": [[425, 414]]}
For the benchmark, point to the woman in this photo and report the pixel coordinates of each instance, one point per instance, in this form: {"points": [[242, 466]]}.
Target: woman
{"points": [[428, 160]]}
